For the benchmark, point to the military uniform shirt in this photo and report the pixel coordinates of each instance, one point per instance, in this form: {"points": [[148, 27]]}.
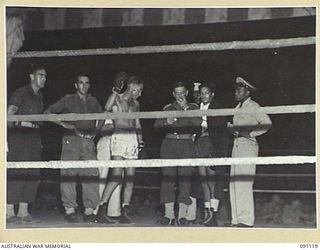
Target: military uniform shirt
{"points": [[184, 125], [260, 122], [27, 101], [74, 104]]}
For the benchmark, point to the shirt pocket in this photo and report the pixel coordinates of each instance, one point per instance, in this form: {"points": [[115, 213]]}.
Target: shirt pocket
{"points": [[67, 143]]}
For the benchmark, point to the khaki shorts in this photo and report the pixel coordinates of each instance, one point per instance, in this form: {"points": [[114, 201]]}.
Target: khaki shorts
{"points": [[124, 144]]}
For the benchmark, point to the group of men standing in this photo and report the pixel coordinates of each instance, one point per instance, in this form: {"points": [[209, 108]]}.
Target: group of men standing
{"points": [[195, 137], [77, 144]]}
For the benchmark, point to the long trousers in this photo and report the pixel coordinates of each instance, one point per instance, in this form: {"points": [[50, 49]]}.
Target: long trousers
{"points": [[104, 153], [176, 149], [22, 184], [241, 182], [77, 148]]}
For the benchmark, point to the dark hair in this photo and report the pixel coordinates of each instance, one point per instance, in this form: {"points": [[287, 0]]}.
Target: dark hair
{"points": [[35, 67], [79, 75], [135, 79], [210, 86], [179, 84]]}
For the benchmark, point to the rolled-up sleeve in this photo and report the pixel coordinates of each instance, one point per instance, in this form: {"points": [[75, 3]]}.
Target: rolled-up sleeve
{"points": [[16, 98]]}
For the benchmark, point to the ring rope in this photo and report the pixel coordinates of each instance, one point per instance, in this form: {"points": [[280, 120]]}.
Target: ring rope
{"points": [[307, 108], [234, 45], [155, 163], [254, 190], [143, 171], [216, 46], [225, 189]]}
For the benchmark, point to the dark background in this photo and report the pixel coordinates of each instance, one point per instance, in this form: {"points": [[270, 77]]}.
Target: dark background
{"points": [[284, 76]]}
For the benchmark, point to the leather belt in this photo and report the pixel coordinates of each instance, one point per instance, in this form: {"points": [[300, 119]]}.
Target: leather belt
{"points": [[179, 136], [27, 125], [79, 134]]}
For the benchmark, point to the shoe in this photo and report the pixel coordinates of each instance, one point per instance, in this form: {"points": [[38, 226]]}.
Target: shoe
{"points": [[212, 222], [242, 225], [91, 218], [229, 224], [207, 216], [101, 217], [29, 219], [12, 219], [72, 218], [165, 221], [182, 222], [125, 219], [191, 222]]}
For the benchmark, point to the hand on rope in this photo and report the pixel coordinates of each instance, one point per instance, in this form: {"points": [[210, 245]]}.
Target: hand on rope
{"points": [[68, 125]]}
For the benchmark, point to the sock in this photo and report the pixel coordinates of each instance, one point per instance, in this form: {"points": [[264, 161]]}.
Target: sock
{"points": [[88, 210], [192, 209], [207, 204], [125, 204], [10, 211], [69, 210], [214, 204], [95, 211], [183, 210], [23, 209], [169, 210]]}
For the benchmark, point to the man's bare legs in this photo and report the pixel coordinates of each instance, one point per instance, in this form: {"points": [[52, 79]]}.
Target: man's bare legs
{"points": [[128, 185], [115, 180]]}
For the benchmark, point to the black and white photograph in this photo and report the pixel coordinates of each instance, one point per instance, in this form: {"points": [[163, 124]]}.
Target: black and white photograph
{"points": [[160, 118]]}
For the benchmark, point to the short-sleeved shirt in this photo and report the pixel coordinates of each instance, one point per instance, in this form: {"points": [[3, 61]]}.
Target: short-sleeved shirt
{"points": [[258, 123], [27, 101], [74, 104]]}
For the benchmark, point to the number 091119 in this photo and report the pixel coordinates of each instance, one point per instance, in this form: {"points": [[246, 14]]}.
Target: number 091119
{"points": [[309, 246]]}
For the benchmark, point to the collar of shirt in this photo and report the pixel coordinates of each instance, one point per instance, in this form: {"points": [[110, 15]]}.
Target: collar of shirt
{"points": [[204, 106], [244, 103], [204, 123], [87, 98], [30, 89]]}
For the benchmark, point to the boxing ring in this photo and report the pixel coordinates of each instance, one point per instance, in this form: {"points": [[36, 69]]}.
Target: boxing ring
{"points": [[268, 161]]}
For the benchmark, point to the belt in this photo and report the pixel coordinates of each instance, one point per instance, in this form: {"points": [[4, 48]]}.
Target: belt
{"points": [[179, 136], [27, 125], [79, 134]]}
